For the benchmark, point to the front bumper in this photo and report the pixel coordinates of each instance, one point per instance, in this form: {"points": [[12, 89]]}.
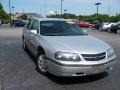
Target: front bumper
{"points": [[81, 70]]}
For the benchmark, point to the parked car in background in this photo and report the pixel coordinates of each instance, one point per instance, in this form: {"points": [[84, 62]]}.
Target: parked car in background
{"points": [[84, 24], [97, 25], [106, 26], [64, 49], [18, 23], [115, 28]]}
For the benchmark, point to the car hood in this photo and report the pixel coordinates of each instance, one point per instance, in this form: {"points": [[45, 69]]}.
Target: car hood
{"points": [[77, 44]]}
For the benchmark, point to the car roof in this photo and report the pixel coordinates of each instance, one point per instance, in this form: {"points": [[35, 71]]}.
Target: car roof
{"points": [[50, 19]]}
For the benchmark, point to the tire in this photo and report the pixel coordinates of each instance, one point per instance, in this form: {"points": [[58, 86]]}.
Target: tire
{"points": [[100, 29], [115, 31], [42, 64], [90, 27], [14, 25], [118, 31], [109, 30], [24, 45]]}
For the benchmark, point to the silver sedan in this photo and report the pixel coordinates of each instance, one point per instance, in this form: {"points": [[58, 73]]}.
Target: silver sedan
{"points": [[64, 49]]}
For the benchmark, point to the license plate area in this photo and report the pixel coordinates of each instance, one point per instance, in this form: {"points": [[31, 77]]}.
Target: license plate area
{"points": [[98, 69]]}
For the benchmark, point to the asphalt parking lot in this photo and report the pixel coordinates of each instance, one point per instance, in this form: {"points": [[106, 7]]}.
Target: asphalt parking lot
{"points": [[18, 69]]}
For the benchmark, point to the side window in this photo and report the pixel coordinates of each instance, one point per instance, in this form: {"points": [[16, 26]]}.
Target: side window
{"points": [[34, 25], [28, 24]]}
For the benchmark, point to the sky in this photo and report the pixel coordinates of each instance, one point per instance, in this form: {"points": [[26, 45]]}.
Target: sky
{"points": [[78, 7]]}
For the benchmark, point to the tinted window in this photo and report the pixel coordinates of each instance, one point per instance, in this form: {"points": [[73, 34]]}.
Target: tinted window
{"points": [[28, 25], [34, 25], [59, 28]]}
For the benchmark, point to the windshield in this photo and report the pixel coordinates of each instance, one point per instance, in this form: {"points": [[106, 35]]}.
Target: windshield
{"points": [[60, 28]]}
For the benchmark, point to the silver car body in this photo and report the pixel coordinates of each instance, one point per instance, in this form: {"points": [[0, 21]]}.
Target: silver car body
{"points": [[106, 26], [81, 45]]}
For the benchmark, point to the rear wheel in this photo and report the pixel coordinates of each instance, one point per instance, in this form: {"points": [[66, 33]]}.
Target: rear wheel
{"points": [[100, 29], [42, 63], [109, 30]]}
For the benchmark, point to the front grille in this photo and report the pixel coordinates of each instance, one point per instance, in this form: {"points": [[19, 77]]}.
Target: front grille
{"points": [[94, 57]]}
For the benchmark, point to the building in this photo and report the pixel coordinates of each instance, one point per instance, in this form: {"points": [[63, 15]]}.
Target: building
{"points": [[29, 15]]}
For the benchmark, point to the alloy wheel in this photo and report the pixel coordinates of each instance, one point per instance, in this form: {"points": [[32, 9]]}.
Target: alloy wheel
{"points": [[42, 64]]}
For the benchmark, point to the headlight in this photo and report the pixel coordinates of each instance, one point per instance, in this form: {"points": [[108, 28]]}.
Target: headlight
{"points": [[67, 56], [110, 53]]}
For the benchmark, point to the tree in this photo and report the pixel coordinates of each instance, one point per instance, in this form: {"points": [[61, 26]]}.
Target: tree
{"points": [[65, 16], [92, 18], [3, 14], [115, 18], [1, 7], [89, 18], [1, 11]]}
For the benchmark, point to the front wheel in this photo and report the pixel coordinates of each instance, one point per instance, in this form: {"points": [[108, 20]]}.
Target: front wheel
{"points": [[42, 64]]}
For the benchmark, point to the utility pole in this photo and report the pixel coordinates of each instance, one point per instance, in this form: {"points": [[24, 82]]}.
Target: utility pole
{"points": [[97, 4], [23, 14], [65, 13], [45, 8], [23, 11], [13, 11], [10, 11], [109, 10], [61, 6]]}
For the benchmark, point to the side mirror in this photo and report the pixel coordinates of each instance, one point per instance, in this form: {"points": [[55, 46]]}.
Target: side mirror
{"points": [[33, 31]]}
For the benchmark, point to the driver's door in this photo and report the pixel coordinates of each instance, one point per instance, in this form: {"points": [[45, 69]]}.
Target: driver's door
{"points": [[33, 37]]}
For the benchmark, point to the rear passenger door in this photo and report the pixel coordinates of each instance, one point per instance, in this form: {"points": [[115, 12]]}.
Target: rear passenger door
{"points": [[27, 34]]}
